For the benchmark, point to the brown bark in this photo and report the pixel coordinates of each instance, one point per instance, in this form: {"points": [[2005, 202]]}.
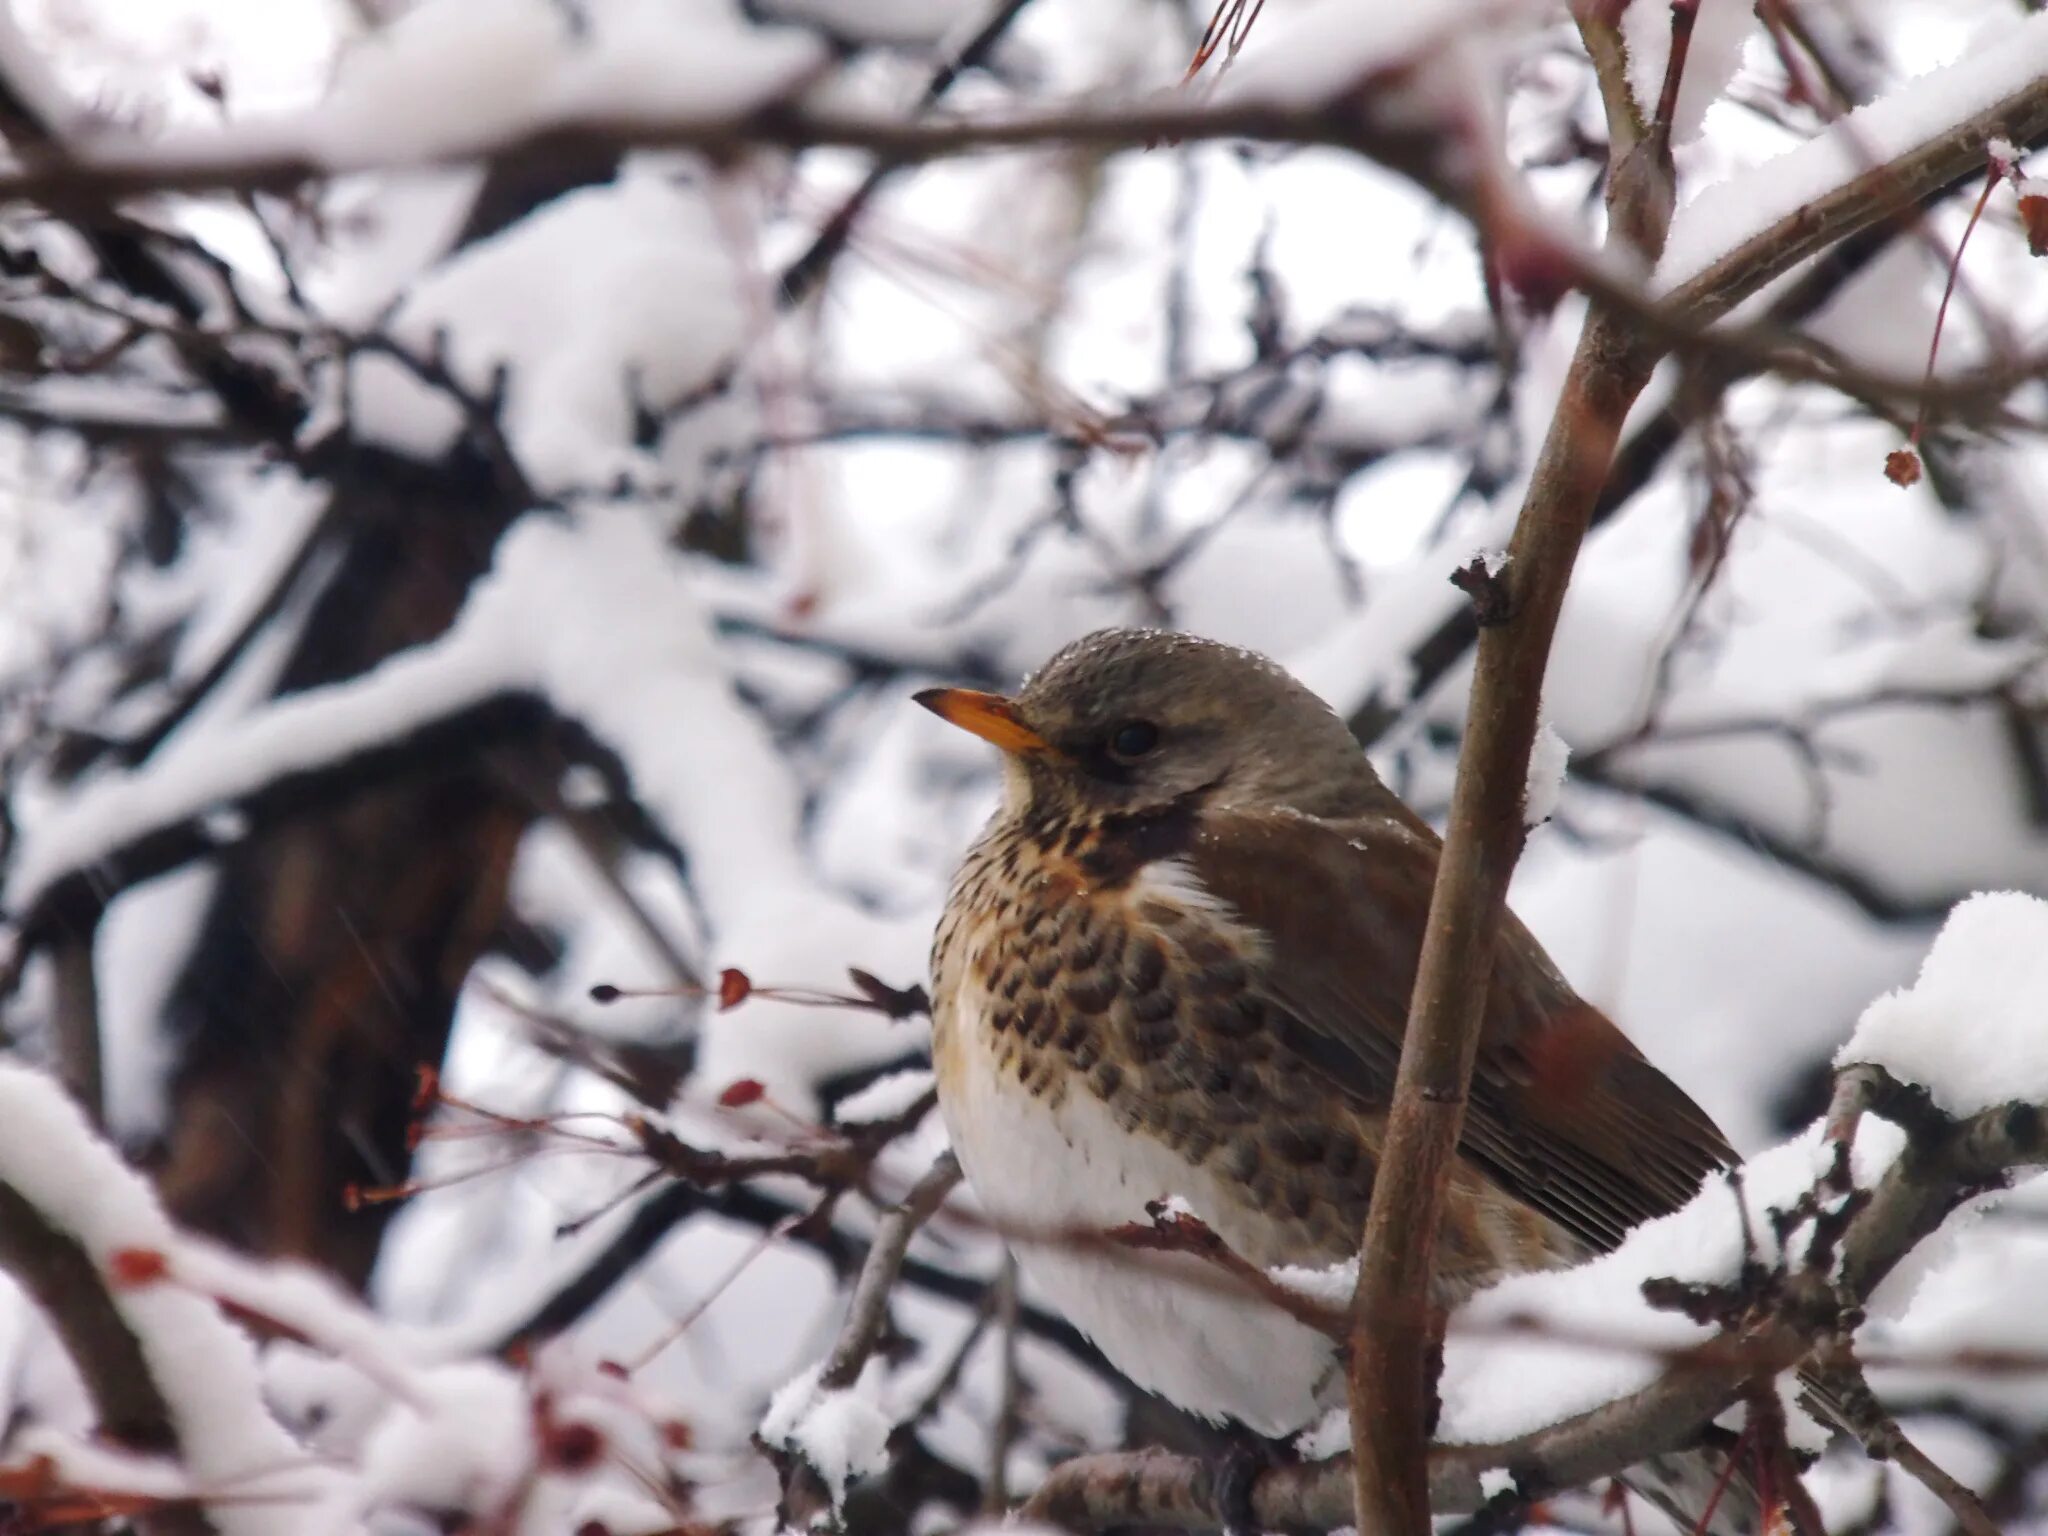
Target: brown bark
{"points": [[328, 967]]}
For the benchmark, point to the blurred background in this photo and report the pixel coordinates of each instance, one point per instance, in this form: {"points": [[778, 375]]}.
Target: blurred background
{"points": [[428, 594]]}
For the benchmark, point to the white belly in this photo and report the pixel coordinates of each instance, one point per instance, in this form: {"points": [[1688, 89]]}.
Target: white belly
{"points": [[1035, 1168]]}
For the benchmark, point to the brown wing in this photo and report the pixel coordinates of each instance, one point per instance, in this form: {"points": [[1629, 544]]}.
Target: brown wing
{"points": [[1565, 1112]]}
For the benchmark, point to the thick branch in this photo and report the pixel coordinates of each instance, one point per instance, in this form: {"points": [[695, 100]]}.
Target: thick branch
{"points": [[71, 900], [1390, 1385], [1390, 1389], [76, 1014]]}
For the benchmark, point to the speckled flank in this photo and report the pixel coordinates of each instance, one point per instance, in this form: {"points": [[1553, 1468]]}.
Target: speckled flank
{"points": [[1135, 986]]}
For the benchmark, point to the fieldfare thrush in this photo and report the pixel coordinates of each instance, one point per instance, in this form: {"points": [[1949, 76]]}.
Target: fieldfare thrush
{"points": [[1178, 962]]}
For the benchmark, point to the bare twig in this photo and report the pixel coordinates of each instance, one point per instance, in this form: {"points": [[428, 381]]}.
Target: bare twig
{"points": [[995, 1494], [869, 1308], [1176, 1232], [804, 1497], [802, 276], [1841, 1373]]}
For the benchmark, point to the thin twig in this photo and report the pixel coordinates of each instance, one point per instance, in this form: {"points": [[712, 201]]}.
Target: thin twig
{"points": [[995, 1496], [869, 1309]]}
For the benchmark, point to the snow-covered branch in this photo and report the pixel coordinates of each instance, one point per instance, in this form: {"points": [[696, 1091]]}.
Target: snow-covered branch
{"points": [[496, 675], [260, 163], [173, 1384]]}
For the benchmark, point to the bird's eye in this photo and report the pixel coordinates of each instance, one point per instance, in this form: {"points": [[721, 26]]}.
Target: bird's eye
{"points": [[1132, 740]]}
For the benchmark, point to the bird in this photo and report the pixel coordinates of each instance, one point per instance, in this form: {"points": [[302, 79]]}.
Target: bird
{"points": [[1177, 963]]}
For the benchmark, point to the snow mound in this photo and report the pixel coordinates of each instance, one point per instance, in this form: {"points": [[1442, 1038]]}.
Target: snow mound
{"points": [[1970, 1029]]}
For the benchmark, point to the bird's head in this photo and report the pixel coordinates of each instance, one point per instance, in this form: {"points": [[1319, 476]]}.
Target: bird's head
{"points": [[1132, 720]]}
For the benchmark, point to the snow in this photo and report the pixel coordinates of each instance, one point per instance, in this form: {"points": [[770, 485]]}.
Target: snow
{"points": [[843, 1434], [464, 1443], [1331, 1285], [1539, 1348], [1969, 1028], [79, 1463], [136, 955], [205, 1368], [656, 308], [1719, 30], [887, 1096], [1314, 52], [97, 61], [1547, 762], [1978, 1300], [1328, 1436], [1945, 655], [38, 1382], [328, 1404], [452, 77], [1723, 216], [902, 23]]}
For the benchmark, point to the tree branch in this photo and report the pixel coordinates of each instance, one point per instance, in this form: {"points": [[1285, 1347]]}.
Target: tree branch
{"points": [[1887, 190], [869, 1308], [54, 1268], [1862, 233], [867, 1314], [230, 163], [1390, 1374], [76, 1015]]}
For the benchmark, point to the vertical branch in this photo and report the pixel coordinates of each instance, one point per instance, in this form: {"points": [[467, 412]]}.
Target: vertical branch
{"points": [[1392, 1359], [996, 1490], [1390, 1339], [77, 1019]]}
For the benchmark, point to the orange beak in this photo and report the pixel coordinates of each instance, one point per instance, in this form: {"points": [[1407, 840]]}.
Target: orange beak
{"points": [[987, 715]]}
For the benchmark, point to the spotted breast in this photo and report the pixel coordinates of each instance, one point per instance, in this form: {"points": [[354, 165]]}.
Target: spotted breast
{"points": [[1101, 1042]]}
